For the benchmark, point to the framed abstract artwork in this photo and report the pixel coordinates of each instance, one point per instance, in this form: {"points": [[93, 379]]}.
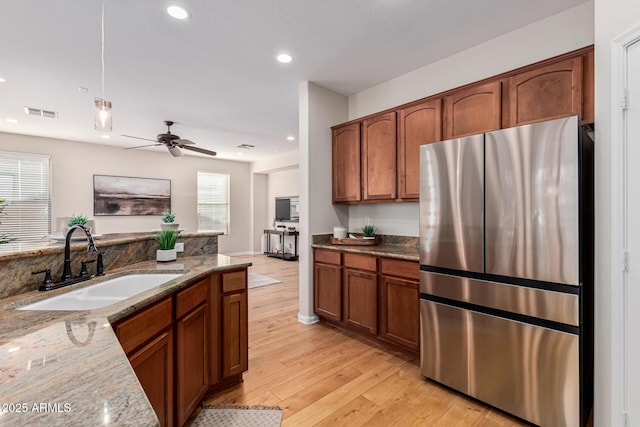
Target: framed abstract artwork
{"points": [[123, 195]]}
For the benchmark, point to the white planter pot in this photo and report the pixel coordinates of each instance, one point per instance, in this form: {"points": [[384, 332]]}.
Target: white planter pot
{"points": [[164, 255], [169, 226]]}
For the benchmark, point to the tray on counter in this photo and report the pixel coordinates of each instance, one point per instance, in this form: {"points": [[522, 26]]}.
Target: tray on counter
{"points": [[358, 241]]}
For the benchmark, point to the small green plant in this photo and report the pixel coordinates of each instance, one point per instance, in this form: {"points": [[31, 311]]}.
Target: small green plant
{"points": [[167, 239], [369, 230], [79, 219], [168, 217]]}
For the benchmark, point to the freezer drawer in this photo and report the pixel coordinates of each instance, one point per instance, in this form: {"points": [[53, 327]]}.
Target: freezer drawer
{"points": [[451, 203], [543, 304], [529, 371]]}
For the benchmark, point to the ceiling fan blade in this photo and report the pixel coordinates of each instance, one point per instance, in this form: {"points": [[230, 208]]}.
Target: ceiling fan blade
{"points": [[140, 146], [181, 142], [137, 137], [200, 150]]}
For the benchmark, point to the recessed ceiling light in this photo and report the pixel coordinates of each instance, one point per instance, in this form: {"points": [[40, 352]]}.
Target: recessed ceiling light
{"points": [[83, 89], [2, 80], [11, 120], [284, 58], [178, 12], [291, 138], [106, 136]]}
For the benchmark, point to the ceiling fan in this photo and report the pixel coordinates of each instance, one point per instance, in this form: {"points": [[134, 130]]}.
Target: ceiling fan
{"points": [[172, 141]]}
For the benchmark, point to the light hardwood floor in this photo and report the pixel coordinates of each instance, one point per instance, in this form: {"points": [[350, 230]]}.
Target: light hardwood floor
{"points": [[322, 376]]}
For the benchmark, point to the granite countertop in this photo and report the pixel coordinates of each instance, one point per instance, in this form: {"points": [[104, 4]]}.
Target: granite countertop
{"points": [[60, 368], [53, 244], [408, 252]]}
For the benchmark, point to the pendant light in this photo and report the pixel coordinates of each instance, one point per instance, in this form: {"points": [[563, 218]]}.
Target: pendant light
{"points": [[102, 106]]}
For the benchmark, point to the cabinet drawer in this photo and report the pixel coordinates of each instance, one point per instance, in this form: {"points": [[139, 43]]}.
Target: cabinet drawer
{"points": [[233, 281], [361, 262], [190, 298], [400, 268], [138, 329], [326, 256]]}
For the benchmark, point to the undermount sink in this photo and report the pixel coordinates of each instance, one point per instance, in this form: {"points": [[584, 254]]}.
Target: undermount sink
{"points": [[104, 293]]}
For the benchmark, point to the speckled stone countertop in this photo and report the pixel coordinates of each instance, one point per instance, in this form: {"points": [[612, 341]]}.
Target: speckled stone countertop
{"points": [[66, 368], [391, 246]]}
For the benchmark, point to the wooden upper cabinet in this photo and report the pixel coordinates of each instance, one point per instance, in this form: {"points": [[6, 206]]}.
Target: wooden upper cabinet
{"points": [[588, 88], [346, 163], [473, 110], [546, 93], [417, 125], [379, 157]]}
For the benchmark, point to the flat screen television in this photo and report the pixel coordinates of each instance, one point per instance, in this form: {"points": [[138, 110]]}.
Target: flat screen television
{"points": [[287, 209], [283, 209]]}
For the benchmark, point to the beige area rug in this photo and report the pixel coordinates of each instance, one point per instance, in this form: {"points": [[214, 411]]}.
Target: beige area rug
{"points": [[238, 416], [258, 280]]}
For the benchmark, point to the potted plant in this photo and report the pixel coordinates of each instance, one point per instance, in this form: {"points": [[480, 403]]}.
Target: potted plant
{"points": [[74, 219], [168, 219], [369, 231], [167, 245]]}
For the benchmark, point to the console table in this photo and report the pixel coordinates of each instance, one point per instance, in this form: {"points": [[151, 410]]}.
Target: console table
{"points": [[281, 254]]}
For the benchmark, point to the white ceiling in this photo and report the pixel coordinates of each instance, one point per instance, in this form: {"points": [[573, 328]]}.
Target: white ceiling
{"points": [[216, 75]]}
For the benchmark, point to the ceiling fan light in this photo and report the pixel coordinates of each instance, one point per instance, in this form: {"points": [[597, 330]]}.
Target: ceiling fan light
{"points": [[102, 120], [175, 151]]}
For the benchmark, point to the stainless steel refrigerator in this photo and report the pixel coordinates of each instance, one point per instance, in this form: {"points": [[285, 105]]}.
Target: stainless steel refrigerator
{"points": [[506, 281]]}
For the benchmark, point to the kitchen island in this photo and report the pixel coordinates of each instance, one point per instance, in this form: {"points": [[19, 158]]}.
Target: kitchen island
{"points": [[60, 368]]}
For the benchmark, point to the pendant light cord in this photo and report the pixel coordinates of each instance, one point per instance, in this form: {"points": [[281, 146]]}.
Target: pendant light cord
{"points": [[102, 47]]}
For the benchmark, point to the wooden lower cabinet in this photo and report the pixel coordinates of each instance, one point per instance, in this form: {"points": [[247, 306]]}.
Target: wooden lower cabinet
{"points": [[327, 290], [400, 311], [234, 334], [374, 295], [192, 376], [153, 365], [189, 344], [360, 299]]}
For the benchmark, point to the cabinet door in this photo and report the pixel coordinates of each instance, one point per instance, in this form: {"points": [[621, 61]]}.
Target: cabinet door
{"points": [[327, 295], [379, 157], [361, 300], [400, 312], [191, 362], [234, 334], [473, 110], [545, 93], [153, 365], [417, 125], [345, 169]]}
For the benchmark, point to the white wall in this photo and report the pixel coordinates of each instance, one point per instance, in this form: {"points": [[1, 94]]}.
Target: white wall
{"points": [[280, 184], [612, 19], [260, 202], [319, 109], [549, 37], [73, 165]]}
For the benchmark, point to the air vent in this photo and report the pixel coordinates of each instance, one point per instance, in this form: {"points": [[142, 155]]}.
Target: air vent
{"points": [[246, 146], [40, 113]]}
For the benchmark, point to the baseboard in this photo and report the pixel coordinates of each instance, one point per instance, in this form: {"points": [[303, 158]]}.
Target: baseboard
{"points": [[308, 320], [240, 253]]}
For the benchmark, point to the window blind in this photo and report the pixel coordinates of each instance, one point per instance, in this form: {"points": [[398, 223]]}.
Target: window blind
{"points": [[213, 202], [25, 184]]}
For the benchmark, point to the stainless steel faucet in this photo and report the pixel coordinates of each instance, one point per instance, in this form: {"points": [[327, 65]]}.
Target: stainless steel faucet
{"points": [[66, 272]]}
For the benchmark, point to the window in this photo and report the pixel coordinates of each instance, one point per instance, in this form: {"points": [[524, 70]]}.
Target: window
{"points": [[25, 184], [213, 202]]}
